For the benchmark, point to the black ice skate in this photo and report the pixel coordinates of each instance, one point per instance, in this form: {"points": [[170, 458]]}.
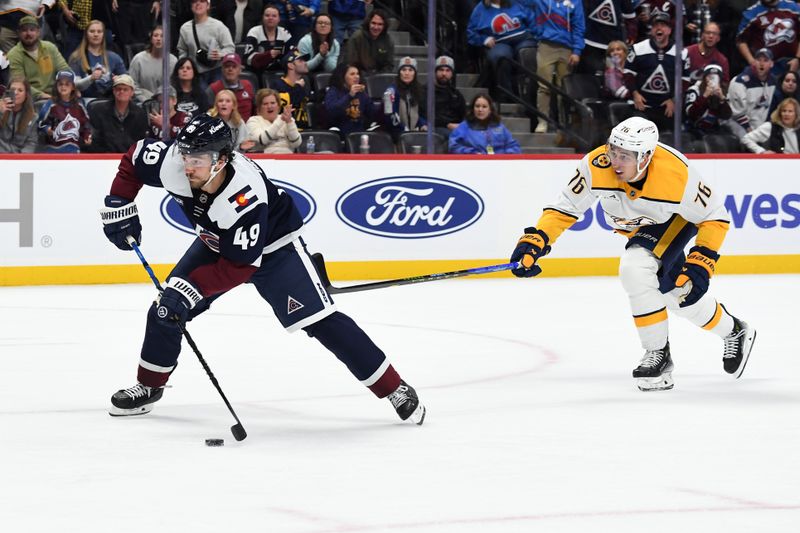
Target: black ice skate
{"points": [[137, 400], [655, 370], [738, 344], [406, 402]]}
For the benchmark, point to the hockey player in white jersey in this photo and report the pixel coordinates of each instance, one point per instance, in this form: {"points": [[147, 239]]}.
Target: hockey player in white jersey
{"points": [[248, 231], [654, 197]]}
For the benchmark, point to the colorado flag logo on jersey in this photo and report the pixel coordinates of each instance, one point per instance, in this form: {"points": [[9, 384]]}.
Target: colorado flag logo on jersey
{"points": [[242, 198]]}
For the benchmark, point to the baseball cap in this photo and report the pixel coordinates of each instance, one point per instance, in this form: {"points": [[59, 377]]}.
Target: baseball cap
{"points": [[171, 92], [232, 58], [407, 61], [661, 17], [65, 75], [27, 20], [712, 67], [124, 79], [766, 52], [293, 55], [445, 61]]}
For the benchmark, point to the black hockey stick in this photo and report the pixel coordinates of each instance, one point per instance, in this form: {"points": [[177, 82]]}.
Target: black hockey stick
{"points": [[319, 262], [237, 429]]}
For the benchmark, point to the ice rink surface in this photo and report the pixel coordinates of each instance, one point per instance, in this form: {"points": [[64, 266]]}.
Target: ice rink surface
{"points": [[534, 423]]}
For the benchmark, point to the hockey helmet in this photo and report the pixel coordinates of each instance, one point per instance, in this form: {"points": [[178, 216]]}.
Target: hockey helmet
{"points": [[204, 134], [637, 135]]}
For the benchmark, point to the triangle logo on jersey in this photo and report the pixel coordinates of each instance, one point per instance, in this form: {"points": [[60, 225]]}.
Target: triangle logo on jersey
{"points": [[604, 14], [657, 83], [293, 306]]}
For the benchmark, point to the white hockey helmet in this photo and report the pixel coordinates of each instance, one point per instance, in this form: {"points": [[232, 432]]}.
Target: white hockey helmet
{"points": [[638, 135]]}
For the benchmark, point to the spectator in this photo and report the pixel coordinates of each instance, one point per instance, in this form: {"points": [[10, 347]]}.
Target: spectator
{"points": [[177, 119], [135, 19], [18, 125], [785, 88], [146, 67], [243, 89], [650, 74], [63, 120], [118, 123], [613, 85], [35, 60], [4, 71], [292, 87], [225, 108], [501, 29], [205, 39], [781, 134], [482, 132], [561, 27], [347, 104], [407, 98], [750, 94], [648, 10], [371, 48], [606, 21], [706, 105], [774, 25], [450, 103], [192, 97], [348, 16], [320, 46], [12, 12], [273, 128], [250, 17], [266, 43], [706, 53], [297, 17], [93, 64]]}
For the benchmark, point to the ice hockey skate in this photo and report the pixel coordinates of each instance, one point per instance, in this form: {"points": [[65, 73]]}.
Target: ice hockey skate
{"points": [[738, 344], [655, 370], [406, 402], [137, 400]]}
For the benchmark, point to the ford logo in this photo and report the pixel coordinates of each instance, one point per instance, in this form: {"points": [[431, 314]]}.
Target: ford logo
{"points": [[173, 214], [409, 207]]}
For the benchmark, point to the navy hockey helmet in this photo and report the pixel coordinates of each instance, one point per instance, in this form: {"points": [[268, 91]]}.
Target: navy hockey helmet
{"points": [[205, 134]]}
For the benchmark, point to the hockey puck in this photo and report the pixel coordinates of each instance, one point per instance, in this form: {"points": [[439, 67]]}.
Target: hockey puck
{"points": [[215, 442]]}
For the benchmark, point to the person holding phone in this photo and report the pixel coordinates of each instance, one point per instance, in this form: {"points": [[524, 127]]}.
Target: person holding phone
{"points": [[706, 105]]}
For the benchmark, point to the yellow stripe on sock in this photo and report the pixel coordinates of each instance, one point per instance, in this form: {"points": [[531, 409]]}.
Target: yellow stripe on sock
{"points": [[650, 318], [714, 319]]}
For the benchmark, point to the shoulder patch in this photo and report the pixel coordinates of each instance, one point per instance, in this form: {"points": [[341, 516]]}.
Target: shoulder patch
{"points": [[601, 161]]}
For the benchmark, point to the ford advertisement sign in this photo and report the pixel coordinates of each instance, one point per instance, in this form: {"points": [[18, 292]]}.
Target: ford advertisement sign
{"points": [[409, 207], [174, 216]]}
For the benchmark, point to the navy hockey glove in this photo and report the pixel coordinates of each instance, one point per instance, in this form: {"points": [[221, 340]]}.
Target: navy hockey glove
{"points": [[530, 248], [178, 298], [696, 272], [120, 219]]}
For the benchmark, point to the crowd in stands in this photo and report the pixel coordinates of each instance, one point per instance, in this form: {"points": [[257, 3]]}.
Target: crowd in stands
{"points": [[87, 76]]}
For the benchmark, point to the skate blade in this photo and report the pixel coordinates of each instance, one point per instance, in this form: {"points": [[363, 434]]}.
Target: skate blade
{"points": [[418, 416], [749, 340], [143, 410], [662, 382]]}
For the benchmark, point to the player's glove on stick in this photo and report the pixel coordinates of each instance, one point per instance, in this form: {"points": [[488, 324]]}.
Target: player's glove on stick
{"points": [[178, 298], [698, 269], [530, 248], [120, 219]]}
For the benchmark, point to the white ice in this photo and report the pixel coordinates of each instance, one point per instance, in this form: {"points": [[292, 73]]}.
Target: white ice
{"points": [[534, 422]]}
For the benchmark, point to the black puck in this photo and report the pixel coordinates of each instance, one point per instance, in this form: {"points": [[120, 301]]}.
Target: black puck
{"points": [[215, 442]]}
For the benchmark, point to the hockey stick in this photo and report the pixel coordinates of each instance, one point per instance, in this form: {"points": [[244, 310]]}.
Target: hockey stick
{"points": [[237, 429], [319, 262]]}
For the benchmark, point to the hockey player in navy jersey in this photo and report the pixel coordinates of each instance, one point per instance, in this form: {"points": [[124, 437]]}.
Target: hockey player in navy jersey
{"points": [[651, 195], [248, 231]]}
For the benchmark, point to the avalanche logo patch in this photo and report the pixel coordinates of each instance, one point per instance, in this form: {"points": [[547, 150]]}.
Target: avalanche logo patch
{"points": [[242, 198], [779, 30], [293, 305], [601, 161], [657, 83], [604, 14]]}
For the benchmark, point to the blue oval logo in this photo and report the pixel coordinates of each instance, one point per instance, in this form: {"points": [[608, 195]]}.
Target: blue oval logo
{"points": [[409, 207], [173, 214]]}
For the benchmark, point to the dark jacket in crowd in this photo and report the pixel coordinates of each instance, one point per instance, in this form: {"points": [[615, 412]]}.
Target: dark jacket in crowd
{"points": [[109, 134], [370, 55], [450, 106]]}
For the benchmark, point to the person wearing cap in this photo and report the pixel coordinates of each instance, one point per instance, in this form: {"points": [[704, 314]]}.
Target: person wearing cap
{"points": [[63, 120], [177, 119], [750, 94], [118, 123], [147, 66], [205, 39], [13, 10], [707, 106], [371, 48], [320, 45], [35, 60], [94, 65], [292, 87], [267, 42], [706, 53], [650, 74], [407, 99], [451, 107], [18, 124], [774, 25], [243, 89]]}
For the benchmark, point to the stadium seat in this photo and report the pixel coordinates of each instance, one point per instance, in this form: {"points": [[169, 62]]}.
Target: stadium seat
{"points": [[379, 142], [378, 83], [420, 138], [252, 77], [324, 141], [722, 143]]}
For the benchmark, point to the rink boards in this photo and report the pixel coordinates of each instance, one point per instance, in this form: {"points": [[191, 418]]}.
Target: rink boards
{"points": [[378, 217]]}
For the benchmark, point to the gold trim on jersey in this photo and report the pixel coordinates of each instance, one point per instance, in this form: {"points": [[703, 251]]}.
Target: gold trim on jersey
{"points": [[711, 233], [711, 324], [649, 319], [674, 228]]}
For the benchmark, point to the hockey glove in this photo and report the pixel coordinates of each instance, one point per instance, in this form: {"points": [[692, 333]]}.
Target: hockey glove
{"points": [[120, 219], [696, 271], [178, 298], [530, 248]]}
